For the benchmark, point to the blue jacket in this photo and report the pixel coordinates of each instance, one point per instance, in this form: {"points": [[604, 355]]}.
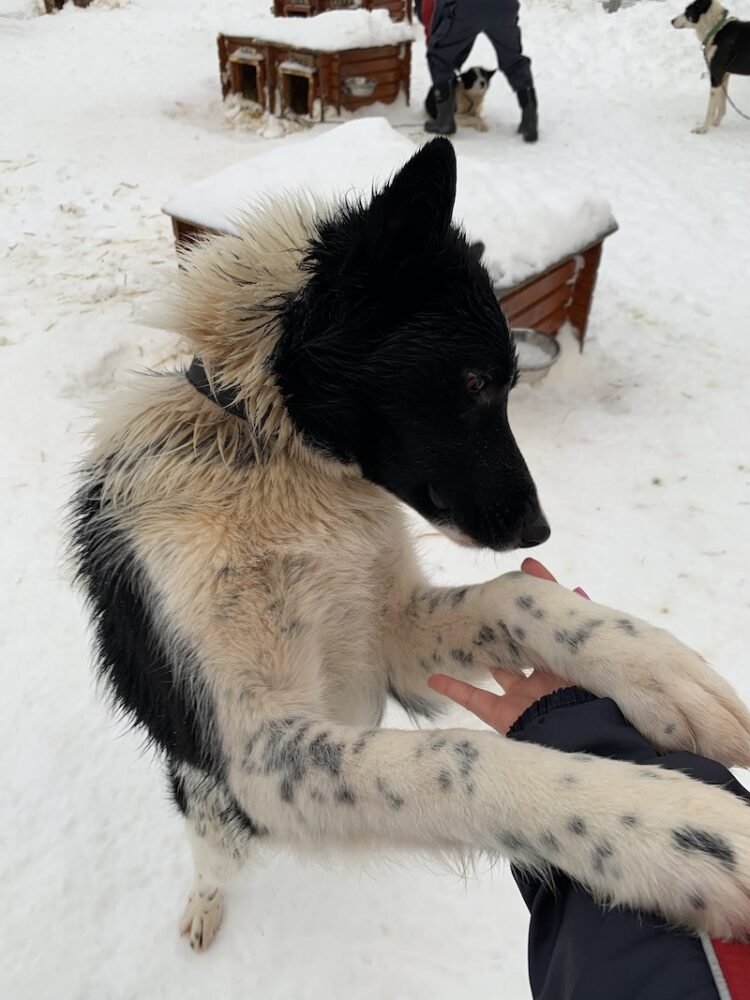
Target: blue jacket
{"points": [[578, 950]]}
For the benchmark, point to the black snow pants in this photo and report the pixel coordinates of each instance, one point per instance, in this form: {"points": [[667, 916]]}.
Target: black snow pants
{"points": [[455, 26]]}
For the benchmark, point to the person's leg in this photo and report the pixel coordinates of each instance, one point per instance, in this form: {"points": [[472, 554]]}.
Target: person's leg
{"points": [[454, 29], [505, 34]]}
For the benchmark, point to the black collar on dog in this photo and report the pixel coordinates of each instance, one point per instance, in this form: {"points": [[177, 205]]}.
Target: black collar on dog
{"points": [[197, 376]]}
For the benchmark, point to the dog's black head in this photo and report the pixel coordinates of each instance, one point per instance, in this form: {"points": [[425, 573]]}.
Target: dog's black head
{"points": [[693, 13], [395, 355], [476, 78]]}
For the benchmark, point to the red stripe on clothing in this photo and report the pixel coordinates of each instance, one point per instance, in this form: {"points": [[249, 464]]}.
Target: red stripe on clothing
{"points": [[428, 12], [734, 960]]}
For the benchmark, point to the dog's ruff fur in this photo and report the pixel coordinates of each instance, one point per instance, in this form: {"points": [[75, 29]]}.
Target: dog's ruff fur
{"points": [[726, 51], [256, 596]]}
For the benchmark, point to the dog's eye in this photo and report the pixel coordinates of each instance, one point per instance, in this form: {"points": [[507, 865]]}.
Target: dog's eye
{"points": [[475, 383]]}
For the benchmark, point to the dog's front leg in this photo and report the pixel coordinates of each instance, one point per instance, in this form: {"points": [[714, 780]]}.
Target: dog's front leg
{"points": [[454, 630], [639, 836], [664, 688], [714, 102]]}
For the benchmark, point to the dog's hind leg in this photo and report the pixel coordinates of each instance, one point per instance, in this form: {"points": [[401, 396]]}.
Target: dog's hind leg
{"points": [[221, 838], [721, 104]]}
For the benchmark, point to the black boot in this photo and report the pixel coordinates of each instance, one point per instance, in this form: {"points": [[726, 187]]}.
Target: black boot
{"points": [[444, 122], [529, 127]]}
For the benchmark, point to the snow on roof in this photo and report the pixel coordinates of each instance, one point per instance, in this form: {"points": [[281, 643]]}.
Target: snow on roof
{"points": [[330, 32], [526, 226]]}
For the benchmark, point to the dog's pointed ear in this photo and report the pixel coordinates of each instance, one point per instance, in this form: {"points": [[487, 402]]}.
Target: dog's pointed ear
{"points": [[413, 212]]}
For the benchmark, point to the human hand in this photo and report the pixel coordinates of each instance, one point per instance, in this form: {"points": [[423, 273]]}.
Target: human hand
{"points": [[520, 690]]}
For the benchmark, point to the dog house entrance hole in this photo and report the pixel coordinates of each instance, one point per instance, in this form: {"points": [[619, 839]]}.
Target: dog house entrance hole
{"points": [[249, 78], [299, 93]]}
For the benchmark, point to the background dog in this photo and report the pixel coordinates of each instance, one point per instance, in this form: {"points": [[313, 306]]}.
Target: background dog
{"points": [[726, 48], [469, 90], [240, 536]]}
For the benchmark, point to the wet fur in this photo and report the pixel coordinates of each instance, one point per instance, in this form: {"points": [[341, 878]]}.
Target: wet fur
{"points": [[256, 598], [728, 53]]}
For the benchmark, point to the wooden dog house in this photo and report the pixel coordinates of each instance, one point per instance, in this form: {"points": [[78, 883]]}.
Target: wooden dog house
{"points": [[560, 294], [339, 59], [571, 229]]}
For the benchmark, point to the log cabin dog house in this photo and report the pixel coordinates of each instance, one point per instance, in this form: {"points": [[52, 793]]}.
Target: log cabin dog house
{"points": [[542, 249], [342, 59]]}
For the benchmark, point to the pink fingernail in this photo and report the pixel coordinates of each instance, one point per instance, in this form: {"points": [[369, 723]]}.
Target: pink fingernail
{"points": [[582, 592]]}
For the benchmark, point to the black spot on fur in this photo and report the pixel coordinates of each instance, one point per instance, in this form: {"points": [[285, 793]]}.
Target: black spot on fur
{"points": [[361, 742], [653, 774], [434, 602], [625, 625], [326, 754], [576, 638], [286, 790], [445, 781], [577, 825], [345, 795], [629, 820], [602, 852], [690, 839], [697, 901], [467, 755], [132, 656], [525, 602], [550, 841], [485, 634], [394, 801], [668, 730], [570, 779], [512, 841], [519, 633], [414, 706], [464, 656], [457, 596]]}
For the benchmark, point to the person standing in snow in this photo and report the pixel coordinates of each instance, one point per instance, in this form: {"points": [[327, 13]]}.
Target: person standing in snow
{"points": [[451, 26], [579, 950]]}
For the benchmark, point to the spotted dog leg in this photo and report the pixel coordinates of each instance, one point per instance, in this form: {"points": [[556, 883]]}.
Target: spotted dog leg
{"points": [[666, 690], [637, 836], [222, 838]]}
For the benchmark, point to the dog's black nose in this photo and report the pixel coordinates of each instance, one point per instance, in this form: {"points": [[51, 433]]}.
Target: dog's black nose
{"points": [[534, 532]]}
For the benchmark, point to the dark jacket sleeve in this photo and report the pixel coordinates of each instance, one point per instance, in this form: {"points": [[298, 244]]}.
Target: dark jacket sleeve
{"points": [[577, 949]]}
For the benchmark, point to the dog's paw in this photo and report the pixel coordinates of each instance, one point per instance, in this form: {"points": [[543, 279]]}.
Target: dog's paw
{"points": [[658, 841], [202, 918], [700, 130], [669, 692], [665, 689]]}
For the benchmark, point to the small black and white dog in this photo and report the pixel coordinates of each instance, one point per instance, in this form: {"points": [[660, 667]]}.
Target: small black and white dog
{"points": [[469, 89], [726, 47]]}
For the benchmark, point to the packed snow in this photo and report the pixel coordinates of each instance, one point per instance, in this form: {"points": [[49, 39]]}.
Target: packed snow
{"points": [[525, 230], [330, 32], [639, 447]]}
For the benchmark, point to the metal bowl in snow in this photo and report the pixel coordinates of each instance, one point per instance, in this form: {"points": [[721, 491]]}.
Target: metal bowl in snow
{"points": [[537, 352], [359, 86]]}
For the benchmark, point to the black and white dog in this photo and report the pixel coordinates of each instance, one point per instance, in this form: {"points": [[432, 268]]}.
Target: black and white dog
{"points": [[469, 89], [726, 47], [256, 596]]}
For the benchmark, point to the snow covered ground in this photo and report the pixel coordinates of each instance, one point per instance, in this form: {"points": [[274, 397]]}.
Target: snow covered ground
{"points": [[640, 448]]}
